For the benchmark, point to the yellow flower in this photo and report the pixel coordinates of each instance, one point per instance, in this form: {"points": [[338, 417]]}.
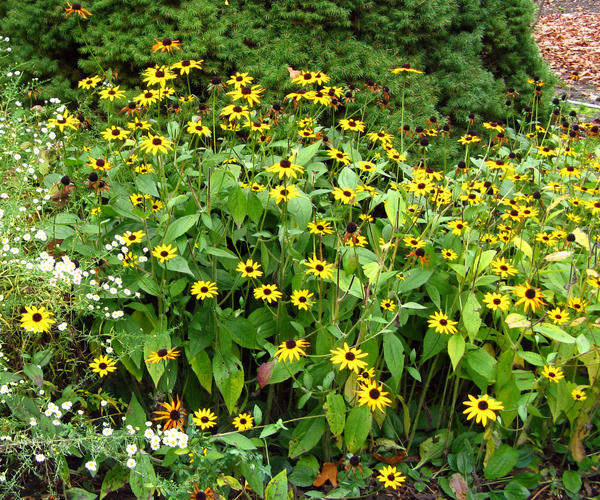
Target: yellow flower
{"points": [[162, 355], [204, 290], [36, 319], [301, 299], [553, 373], [291, 349], [286, 168], [495, 301], [388, 304], [89, 83], [159, 75], [338, 155], [164, 252], [114, 133], [578, 395], [186, 65], [390, 477], [442, 323], [249, 269], [103, 365], [482, 408], [349, 357], [268, 293], [528, 296], [373, 396], [156, 144], [284, 193], [503, 268], [319, 268], [346, 195], [166, 44], [112, 93], [558, 316], [243, 422], [320, 227], [205, 418]]}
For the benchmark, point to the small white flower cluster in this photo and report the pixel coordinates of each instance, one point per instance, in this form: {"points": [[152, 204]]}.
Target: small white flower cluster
{"points": [[53, 410], [64, 270]]}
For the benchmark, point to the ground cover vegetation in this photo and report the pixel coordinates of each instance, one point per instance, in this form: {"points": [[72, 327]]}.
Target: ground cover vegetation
{"points": [[207, 294]]}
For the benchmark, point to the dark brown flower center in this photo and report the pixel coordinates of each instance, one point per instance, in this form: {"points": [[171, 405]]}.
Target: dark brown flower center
{"points": [[162, 352], [242, 421], [100, 163], [347, 194], [200, 496], [267, 291], [167, 41], [156, 141], [116, 131], [159, 74], [391, 477], [204, 289], [285, 164], [530, 293], [443, 322], [284, 192], [482, 405], [249, 269], [497, 302], [164, 253], [76, 6], [204, 419], [551, 374], [374, 393], [290, 344], [237, 109], [37, 317], [354, 460], [246, 90], [148, 95], [319, 267], [302, 298], [102, 366], [350, 356]]}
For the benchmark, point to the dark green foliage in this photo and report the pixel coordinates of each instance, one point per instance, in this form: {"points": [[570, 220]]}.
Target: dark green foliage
{"points": [[471, 50]]}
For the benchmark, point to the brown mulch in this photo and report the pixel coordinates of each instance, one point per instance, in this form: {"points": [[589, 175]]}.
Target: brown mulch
{"points": [[567, 34]]}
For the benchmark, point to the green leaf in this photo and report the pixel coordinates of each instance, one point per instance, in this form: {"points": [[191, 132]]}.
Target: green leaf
{"points": [[433, 447], [306, 436], [532, 358], [306, 154], [80, 494], [277, 489], [514, 490], [229, 378], [501, 462], [394, 206], [237, 205], [456, 349], [146, 185], [301, 210], [142, 478], [414, 279], [554, 332], [393, 353], [179, 227], [254, 476], [572, 480], [202, 367], [238, 441], [135, 415], [358, 426], [180, 265], [254, 207], [480, 361], [34, 373], [303, 476], [335, 412], [116, 478], [470, 317], [153, 342], [220, 252]]}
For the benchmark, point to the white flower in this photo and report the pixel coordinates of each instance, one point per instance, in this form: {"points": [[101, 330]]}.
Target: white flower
{"points": [[67, 405], [131, 449], [40, 457], [107, 431], [32, 422], [103, 403], [131, 463], [149, 434], [91, 466], [109, 350], [2, 477], [63, 326], [56, 422], [155, 443]]}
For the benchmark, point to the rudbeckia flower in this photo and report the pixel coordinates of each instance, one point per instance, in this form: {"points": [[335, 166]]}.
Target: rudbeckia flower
{"points": [[553, 373], [390, 477], [482, 408], [528, 296], [164, 252], [103, 365], [204, 418], [349, 357], [166, 44], [442, 323], [36, 319], [173, 413], [302, 299], [373, 396], [243, 422], [291, 349], [156, 144]]}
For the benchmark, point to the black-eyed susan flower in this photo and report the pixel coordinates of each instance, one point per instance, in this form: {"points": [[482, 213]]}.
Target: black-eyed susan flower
{"points": [[103, 365], [196, 128], [284, 193], [352, 125], [346, 195], [319, 267], [302, 299], [173, 414], [243, 422], [158, 75], [164, 252], [156, 205], [578, 395], [138, 124], [240, 79], [204, 418], [235, 112], [291, 349], [413, 242], [503, 268], [373, 396], [166, 44], [252, 94], [546, 152], [577, 304], [76, 8], [406, 68], [133, 237], [144, 168], [37, 319], [388, 304], [268, 293], [349, 357], [185, 66], [558, 316], [156, 144], [163, 354], [458, 227], [249, 269], [90, 82], [112, 93], [100, 164], [339, 156], [130, 260], [528, 296], [114, 133], [495, 301], [147, 97], [482, 408], [553, 373], [382, 137], [286, 168], [449, 254], [469, 139], [204, 289], [365, 376], [199, 494], [64, 120], [442, 323], [390, 477], [320, 227]]}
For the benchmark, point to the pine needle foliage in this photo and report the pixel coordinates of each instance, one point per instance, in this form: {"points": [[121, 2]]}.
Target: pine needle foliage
{"points": [[471, 50]]}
